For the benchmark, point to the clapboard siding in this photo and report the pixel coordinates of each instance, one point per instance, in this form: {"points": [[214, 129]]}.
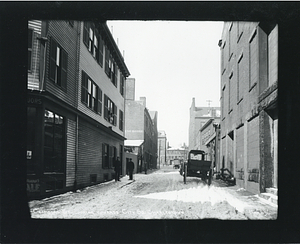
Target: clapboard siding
{"points": [[66, 36], [90, 140], [90, 153], [71, 147], [33, 74], [89, 65]]}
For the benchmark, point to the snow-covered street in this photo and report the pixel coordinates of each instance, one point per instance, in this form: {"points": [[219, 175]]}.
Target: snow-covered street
{"points": [[158, 195]]}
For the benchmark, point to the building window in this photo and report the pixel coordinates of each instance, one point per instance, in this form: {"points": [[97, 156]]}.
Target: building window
{"points": [[30, 45], [93, 41], [253, 60], [229, 41], [114, 73], [54, 142], [239, 30], [91, 94], [121, 119], [230, 92], [110, 111], [58, 64], [107, 62], [105, 156], [240, 78], [223, 103]]}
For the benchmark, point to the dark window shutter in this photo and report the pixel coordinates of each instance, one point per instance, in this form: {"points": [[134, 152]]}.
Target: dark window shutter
{"points": [[86, 34], [110, 156], [99, 96], [103, 155], [52, 72], [84, 88], [107, 70], [64, 68], [105, 107], [115, 114], [100, 51]]}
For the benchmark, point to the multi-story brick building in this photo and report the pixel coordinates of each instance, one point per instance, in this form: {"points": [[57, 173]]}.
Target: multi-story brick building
{"points": [[139, 125], [162, 147], [210, 141], [198, 117], [75, 105], [249, 114]]}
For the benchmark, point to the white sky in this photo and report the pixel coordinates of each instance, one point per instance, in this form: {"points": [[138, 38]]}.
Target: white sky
{"points": [[172, 62]]}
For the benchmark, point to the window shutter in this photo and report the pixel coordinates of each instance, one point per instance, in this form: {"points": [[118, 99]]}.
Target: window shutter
{"points": [[115, 114], [86, 33], [100, 51], [84, 88], [52, 72], [64, 68], [105, 107], [103, 155], [99, 101], [110, 156], [107, 70]]}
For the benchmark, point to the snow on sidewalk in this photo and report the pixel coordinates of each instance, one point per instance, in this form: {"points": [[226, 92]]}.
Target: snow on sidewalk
{"points": [[201, 194]]}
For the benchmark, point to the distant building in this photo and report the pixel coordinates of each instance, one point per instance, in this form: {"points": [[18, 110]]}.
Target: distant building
{"points": [[141, 124], [210, 141], [162, 147], [249, 110], [198, 117], [176, 153]]}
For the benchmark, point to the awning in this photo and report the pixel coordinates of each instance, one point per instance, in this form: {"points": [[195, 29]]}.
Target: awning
{"points": [[133, 143]]}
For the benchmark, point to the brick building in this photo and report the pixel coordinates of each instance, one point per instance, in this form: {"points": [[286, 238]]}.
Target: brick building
{"points": [[210, 141], [140, 125], [75, 105], [249, 114], [198, 117]]}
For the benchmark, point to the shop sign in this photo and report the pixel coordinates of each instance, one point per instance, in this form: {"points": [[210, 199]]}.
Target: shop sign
{"points": [[29, 154], [34, 100], [33, 185]]}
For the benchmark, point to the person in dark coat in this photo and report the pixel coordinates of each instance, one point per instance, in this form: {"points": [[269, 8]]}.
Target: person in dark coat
{"points": [[130, 168], [117, 169]]}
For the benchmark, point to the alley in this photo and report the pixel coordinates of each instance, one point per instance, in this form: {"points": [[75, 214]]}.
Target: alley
{"points": [[160, 194]]}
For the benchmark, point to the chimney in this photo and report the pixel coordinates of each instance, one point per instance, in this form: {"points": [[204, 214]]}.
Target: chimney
{"points": [[143, 99]]}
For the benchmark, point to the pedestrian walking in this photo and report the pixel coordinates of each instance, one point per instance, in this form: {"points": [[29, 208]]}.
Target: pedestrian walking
{"points": [[145, 164], [130, 168], [117, 169]]}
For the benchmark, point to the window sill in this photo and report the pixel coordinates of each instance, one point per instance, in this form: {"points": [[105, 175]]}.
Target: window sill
{"points": [[252, 87], [240, 101]]}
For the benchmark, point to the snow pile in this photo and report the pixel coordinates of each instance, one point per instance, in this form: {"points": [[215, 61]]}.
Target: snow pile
{"points": [[199, 194]]}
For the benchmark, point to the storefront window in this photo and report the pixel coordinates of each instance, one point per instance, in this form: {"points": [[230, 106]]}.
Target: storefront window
{"points": [[53, 142]]}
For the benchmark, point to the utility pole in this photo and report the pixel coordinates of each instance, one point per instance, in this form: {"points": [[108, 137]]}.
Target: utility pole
{"points": [[209, 101]]}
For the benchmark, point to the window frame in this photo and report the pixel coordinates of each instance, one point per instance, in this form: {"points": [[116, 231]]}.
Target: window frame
{"points": [[58, 71], [30, 49], [121, 120], [253, 38], [110, 110], [61, 168], [93, 98]]}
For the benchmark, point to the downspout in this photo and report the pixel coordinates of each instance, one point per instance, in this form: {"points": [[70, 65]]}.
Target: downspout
{"points": [[76, 103]]}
